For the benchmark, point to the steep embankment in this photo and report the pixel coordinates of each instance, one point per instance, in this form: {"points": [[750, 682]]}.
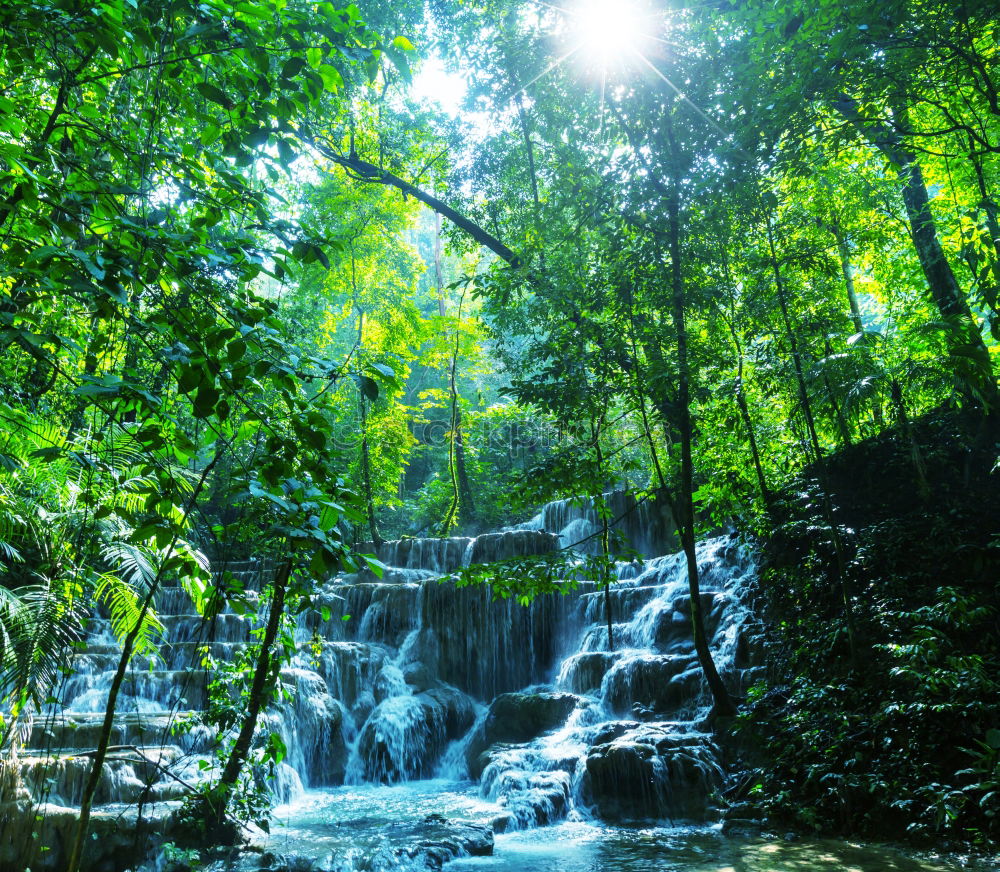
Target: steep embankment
{"points": [[883, 713]]}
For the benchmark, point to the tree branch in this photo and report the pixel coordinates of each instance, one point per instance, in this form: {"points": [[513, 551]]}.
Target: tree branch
{"points": [[368, 172]]}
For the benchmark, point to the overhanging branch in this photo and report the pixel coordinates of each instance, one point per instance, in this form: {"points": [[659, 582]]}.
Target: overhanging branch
{"points": [[368, 172]]}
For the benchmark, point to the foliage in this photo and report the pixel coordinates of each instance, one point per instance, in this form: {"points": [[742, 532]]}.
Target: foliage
{"points": [[903, 739], [758, 248]]}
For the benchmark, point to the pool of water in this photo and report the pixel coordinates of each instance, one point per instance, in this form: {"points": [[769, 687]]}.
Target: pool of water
{"points": [[346, 827]]}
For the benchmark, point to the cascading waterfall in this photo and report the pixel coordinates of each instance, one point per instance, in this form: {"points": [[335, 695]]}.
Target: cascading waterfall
{"points": [[407, 677]]}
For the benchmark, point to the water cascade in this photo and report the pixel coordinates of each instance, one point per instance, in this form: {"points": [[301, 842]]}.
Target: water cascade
{"points": [[407, 677]]}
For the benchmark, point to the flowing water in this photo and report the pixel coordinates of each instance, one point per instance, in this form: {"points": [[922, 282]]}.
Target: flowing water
{"points": [[413, 705]]}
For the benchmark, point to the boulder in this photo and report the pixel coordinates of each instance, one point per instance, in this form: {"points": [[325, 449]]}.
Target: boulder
{"points": [[515, 718], [583, 673], [650, 774], [657, 683], [405, 735]]}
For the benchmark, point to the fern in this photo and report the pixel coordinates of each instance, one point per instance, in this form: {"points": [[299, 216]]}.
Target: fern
{"points": [[124, 605]]}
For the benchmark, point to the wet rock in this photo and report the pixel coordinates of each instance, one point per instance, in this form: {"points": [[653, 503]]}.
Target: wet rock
{"points": [[433, 843], [501, 823], [608, 732], [487, 646], [459, 713], [583, 673], [741, 828], [491, 547], [650, 773], [418, 676], [119, 840], [533, 799], [405, 735], [515, 718], [659, 684]]}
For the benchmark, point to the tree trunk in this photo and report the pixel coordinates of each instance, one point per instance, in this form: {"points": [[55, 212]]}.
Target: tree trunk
{"points": [[128, 646], [456, 449], [793, 343], [835, 537], [259, 696], [990, 291], [684, 506], [104, 739], [464, 486], [967, 343], [605, 581], [741, 403], [838, 413], [366, 476], [847, 268], [916, 455], [366, 465]]}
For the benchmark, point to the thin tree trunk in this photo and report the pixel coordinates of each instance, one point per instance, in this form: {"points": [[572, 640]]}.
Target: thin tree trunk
{"points": [[990, 293], [838, 544], [456, 423], [740, 396], [916, 455], [847, 268], [259, 696], [366, 476], [128, 646], [684, 506], [465, 489], [793, 343], [605, 544], [838, 414], [366, 465], [464, 486]]}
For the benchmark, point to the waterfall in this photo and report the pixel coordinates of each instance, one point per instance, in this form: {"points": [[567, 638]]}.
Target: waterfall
{"points": [[408, 676]]}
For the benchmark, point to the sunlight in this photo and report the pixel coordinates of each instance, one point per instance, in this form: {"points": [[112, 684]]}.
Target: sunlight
{"points": [[609, 31]]}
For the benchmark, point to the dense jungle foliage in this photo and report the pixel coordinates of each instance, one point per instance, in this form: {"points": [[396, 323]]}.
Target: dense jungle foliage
{"points": [[289, 279]]}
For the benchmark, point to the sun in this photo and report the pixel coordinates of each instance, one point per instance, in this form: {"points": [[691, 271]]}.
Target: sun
{"points": [[607, 31]]}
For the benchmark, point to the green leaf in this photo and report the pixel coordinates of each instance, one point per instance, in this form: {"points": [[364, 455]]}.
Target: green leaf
{"points": [[293, 66], [103, 386], [189, 378], [333, 81], [216, 95], [209, 133], [368, 387], [205, 400], [286, 154]]}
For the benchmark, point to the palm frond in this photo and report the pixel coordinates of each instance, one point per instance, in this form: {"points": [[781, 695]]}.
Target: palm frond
{"points": [[37, 627]]}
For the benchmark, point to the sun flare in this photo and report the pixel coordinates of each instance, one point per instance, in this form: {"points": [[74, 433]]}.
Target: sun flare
{"points": [[606, 30]]}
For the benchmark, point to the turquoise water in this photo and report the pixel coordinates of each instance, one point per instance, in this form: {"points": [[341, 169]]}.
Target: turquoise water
{"points": [[347, 826]]}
